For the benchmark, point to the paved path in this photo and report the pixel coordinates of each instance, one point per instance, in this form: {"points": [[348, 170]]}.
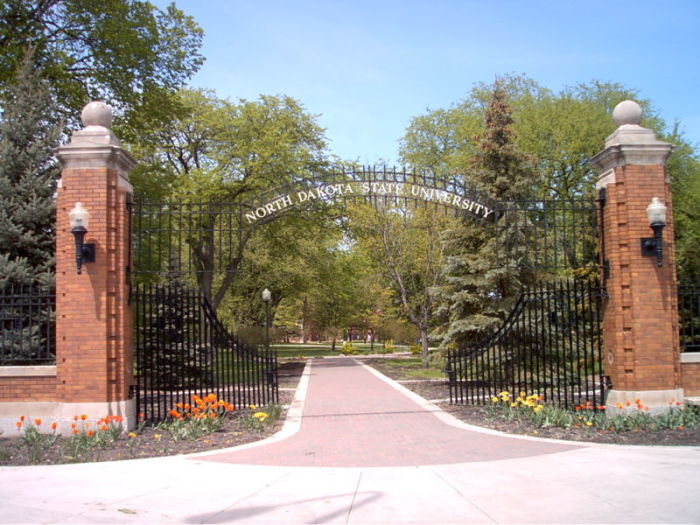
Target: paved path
{"points": [[375, 444], [354, 418]]}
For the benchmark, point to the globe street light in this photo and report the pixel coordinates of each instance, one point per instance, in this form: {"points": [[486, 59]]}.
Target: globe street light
{"points": [[266, 296]]}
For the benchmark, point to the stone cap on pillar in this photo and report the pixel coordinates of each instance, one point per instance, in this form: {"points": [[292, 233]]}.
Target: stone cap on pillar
{"points": [[95, 145], [630, 143]]}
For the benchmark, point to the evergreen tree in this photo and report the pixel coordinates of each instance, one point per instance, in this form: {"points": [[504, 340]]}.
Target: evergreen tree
{"points": [[171, 352], [28, 173], [480, 283]]}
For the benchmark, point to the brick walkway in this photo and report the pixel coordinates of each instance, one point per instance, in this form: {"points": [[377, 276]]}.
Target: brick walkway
{"points": [[351, 418]]}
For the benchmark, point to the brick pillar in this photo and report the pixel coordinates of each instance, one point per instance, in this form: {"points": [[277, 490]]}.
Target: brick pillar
{"points": [[640, 321], [94, 356]]}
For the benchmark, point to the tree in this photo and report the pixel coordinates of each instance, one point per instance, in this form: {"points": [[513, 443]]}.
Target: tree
{"points": [[479, 290], [406, 248], [225, 155], [28, 173], [125, 52], [562, 131]]}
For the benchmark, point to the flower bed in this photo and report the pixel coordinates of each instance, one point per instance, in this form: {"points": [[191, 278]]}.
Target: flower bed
{"points": [[206, 423]]}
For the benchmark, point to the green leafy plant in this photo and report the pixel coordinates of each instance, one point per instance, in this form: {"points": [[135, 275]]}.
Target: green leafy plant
{"points": [[258, 420], [190, 421], [530, 408], [348, 348], [34, 441]]}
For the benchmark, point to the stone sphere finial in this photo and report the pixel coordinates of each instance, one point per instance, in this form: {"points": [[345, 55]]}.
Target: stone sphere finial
{"points": [[627, 112], [97, 114]]}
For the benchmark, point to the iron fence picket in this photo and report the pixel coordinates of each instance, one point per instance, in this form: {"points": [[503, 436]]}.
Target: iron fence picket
{"points": [[27, 325], [689, 313]]}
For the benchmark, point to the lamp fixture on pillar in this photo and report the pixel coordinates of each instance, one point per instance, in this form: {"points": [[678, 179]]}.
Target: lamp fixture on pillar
{"points": [[656, 213], [84, 253]]}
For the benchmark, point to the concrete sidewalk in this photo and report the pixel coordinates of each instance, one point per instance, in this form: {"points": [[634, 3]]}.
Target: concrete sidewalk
{"points": [[363, 450]]}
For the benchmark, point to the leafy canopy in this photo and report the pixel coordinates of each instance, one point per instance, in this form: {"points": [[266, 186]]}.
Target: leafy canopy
{"points": [[127, 53]]}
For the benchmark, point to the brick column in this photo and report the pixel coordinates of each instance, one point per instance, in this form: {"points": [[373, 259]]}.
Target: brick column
{"points": [[640, 321], [94, 356]]}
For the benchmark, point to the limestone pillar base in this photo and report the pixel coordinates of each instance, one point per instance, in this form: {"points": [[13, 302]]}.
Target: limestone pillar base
{"points": [[657, 401]]}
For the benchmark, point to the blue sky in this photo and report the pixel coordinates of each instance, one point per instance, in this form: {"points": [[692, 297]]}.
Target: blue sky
{"points": [[367, 67]]}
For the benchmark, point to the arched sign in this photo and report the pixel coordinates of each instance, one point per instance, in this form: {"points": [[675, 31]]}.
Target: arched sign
{"points": [[393, 191]]}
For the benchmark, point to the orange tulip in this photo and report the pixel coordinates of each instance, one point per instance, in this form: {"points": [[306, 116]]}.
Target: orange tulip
{"points": [[19, 425], [54, 425], [83, 417], [37, 422]]}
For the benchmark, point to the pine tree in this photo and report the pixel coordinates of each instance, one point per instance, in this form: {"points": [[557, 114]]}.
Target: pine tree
{"points": [[28, 173], [481, 284]]}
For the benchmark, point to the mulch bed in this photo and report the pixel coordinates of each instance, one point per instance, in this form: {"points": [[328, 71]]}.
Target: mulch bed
{"points": [[437, 392], [152, 442]]}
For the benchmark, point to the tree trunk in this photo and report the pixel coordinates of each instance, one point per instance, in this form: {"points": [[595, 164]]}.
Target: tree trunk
{"points": [[424, 346], [304, 337]]}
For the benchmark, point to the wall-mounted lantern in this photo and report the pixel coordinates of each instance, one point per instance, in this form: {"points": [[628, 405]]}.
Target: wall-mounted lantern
{"points": [[656, 213], [79, 218]]}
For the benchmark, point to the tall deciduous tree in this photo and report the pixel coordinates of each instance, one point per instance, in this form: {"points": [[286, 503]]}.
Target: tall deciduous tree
{"points": [[125, 52], [407, 250], [28, 173], [479, 289], [218, 151]]}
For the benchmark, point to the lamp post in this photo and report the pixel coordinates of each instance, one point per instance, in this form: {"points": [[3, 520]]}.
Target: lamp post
{"points": [[79, 218], [656, 214], [266, 296]]}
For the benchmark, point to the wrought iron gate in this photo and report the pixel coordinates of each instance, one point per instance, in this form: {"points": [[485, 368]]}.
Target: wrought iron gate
{"points": [[182, 349], [550, 345], [206, 243]]}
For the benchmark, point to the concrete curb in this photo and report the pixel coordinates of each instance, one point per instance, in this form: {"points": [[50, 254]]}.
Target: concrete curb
{"points": [[292, 422], [455, 422]]}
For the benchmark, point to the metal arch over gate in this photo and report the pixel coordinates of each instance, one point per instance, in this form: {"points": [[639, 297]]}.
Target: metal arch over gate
{"points": [[194, 238], [380, 187]]}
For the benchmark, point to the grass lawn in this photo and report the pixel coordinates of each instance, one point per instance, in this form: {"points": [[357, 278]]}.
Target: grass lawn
{"points": [[410, 368], [324, 349]]}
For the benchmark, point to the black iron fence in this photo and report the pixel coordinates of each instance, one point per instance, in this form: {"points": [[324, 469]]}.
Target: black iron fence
{"points": [[550, 345], [182, 350], [27, 325], [197, 238], [689, 313]]}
